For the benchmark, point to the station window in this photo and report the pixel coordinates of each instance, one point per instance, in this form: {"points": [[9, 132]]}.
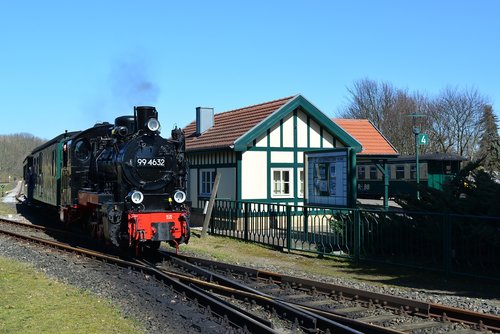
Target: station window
{"points": [[373, 172], [361, 172], [281, 186], [400, 172], [301, 182], [207, 179]]}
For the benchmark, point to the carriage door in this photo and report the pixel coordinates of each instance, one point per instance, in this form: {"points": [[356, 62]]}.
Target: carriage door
{"points": [[65, 174]]}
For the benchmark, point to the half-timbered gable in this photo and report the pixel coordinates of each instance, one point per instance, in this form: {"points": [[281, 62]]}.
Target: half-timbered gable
{"points": [[258, 150]]}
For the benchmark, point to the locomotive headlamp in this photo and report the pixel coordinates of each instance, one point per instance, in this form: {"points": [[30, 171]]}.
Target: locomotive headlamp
{"points": [[153, 124], [179, 196], [136, 197]]}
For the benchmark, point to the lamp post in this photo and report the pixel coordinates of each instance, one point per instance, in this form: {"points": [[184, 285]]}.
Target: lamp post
{"points": [[416, 131], [420, 139]]}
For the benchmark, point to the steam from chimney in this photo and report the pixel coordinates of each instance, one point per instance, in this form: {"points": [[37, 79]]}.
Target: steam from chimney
{"points": [[132, 85], [129, 83]]}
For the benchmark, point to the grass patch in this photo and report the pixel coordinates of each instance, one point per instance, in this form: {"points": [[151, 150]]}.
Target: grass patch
{"points": [[7, 208], [32, 303], [246, 253]]}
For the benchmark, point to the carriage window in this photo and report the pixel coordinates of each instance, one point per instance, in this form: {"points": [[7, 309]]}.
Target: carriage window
{"points": [[400, 172], [373, 173], [447, 169], [65, 149], [361, 172], [53, 162], [40, 163], [413, 172], [82, 150]]}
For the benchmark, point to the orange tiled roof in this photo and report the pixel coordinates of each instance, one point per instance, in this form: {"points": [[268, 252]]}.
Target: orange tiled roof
{"points": [[230, 125], [373, 142]]}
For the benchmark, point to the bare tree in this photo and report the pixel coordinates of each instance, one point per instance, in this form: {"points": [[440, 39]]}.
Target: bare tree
{"points": [[389, 109], [369, 100], [456, 119], [452, 119]]}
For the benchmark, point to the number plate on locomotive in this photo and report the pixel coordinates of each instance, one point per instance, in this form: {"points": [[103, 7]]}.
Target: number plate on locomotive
{"points": [[150, 162]]}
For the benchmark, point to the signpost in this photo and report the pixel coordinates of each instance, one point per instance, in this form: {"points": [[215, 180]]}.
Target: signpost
{"points": [[423, 139], [420, 139]]}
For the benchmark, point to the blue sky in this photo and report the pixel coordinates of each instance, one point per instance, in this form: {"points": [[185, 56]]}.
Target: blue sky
{"points": [[65, 65]]}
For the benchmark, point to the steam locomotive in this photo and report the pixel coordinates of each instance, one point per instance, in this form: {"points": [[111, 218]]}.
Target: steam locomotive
{"points": [[123, 182]]}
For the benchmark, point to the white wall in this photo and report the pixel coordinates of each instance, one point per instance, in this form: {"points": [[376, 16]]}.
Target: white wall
{"points": [[254, 175], [327, 140], [288, 131], [227, 185], [275, 135], [301, 129], [193, 189], [314, 134], [277, 157]]}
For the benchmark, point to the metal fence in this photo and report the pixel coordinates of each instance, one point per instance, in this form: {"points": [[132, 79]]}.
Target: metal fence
{"points": [[445, 242]]}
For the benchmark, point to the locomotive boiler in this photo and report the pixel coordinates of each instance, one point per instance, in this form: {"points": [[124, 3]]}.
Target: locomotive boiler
{"points": [[123, 182]]}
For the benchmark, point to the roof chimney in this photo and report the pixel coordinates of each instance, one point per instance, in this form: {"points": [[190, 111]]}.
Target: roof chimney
{"points": [[204, 119]]}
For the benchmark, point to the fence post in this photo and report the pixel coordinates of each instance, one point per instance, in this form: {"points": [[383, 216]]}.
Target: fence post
{"points": [[306, 222], [357, 235], [447, 247], [288, 228], [246, 207]]}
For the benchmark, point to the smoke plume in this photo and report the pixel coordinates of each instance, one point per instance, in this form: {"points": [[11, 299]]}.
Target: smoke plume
{"points": [[131, 84]]}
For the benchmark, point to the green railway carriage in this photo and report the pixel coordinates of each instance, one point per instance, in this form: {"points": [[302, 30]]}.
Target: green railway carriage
{"points": [[435, 170], [43, 170]]}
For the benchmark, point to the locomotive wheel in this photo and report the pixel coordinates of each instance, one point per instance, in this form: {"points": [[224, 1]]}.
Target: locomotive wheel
{"points": [[125, 249], [154, 245], [93, 231], [93, 226], [96, 231]]}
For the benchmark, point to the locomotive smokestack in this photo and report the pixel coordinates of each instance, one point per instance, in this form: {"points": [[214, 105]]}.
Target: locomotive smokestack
{"points": [[204, 119], [143, 114]]}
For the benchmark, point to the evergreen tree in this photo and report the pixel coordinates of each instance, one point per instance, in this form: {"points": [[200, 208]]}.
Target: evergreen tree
{"points": [[489, 145]]}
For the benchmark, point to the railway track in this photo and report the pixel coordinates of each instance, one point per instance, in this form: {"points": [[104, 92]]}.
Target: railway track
{"points": [[339, 303], [226, 291]]}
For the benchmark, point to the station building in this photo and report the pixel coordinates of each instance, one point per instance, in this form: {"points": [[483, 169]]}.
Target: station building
{"points": [[259, 150]]}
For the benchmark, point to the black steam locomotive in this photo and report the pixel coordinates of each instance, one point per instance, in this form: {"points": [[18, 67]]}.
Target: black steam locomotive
{"points": [[123, 182]]}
